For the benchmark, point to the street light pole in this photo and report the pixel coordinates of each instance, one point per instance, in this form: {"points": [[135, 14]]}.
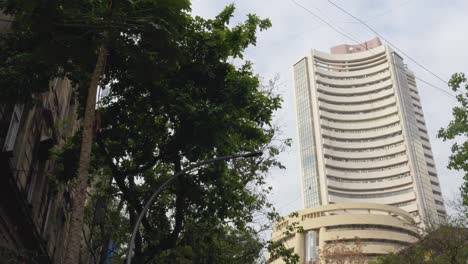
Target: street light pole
{"points": [[169, 181]]}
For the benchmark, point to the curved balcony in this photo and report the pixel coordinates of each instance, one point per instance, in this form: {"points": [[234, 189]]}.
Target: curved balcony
{"points": [[355, 90], [366, 164], [364, 154], [359, 73], [361, 117], [358, 107], [419, 125], [371, 185], [381, 249], [347, 134], [410, 207], [437, 189], [358, 99], [428, 152], [361, 125], [418, 104], [368, 234], [363, 145], [432, 170], [350, 82], [372, 175], [350, 58], [389, 199], [351, 67], [440, 208], [419, 111]]}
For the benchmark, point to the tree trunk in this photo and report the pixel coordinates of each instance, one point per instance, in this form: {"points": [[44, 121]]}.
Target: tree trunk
{"points": [[180, 206], [72, 254], [104, 254], [138, 256]]}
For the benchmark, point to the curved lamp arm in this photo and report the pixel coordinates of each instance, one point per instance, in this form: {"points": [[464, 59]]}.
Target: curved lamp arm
{"points": [[169, 181]]}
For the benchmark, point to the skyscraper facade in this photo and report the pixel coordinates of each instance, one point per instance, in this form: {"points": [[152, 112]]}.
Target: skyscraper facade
{"points": [[362, 134], [368, 174]]}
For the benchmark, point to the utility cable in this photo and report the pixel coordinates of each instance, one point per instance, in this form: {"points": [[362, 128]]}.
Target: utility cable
{"points": [[361, 44], [331, 22], [289, 203], [388, 11], [390, 43], [321, 19], [436, 87]]}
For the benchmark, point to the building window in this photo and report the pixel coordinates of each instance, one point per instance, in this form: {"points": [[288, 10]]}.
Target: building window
{"points": [[311, 246], [13, 128]]}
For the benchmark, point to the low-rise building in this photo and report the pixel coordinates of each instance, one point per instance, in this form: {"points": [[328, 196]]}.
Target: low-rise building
{"points": [[379, 229]]}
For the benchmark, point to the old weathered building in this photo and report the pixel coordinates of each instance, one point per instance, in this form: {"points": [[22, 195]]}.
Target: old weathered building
{"points": [[34, 213]]}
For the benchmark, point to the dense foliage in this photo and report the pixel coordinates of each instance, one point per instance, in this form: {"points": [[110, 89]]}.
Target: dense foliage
{"points": [[175, 98], [446, 245], [60, 38], [74, 39], [458, 129]]}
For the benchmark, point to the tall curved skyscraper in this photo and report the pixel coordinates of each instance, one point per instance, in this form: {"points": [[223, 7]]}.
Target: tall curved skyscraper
{"points": [[362, 134]]}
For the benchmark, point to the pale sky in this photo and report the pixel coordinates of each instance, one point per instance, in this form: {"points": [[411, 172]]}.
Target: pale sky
{"points": [[432, 32]]}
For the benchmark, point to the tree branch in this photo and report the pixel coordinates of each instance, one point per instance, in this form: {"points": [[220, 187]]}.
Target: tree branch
{"points": [[127, 195]]}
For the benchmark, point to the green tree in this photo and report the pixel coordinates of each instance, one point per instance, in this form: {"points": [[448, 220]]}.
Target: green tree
{"points": [[442, 244], [446, 245], [203, 107], [175, 99], [458, 129], [342, 251], [277, 248], [73, 39]]}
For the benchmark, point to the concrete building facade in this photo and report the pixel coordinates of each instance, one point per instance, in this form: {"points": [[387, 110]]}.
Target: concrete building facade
{"points": [[380, 229], [34, 211], [367, 167], [35, 214], [362, 134]]}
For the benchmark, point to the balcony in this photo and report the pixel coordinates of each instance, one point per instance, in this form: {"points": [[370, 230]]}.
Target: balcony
{"points": [[358, 107]]}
